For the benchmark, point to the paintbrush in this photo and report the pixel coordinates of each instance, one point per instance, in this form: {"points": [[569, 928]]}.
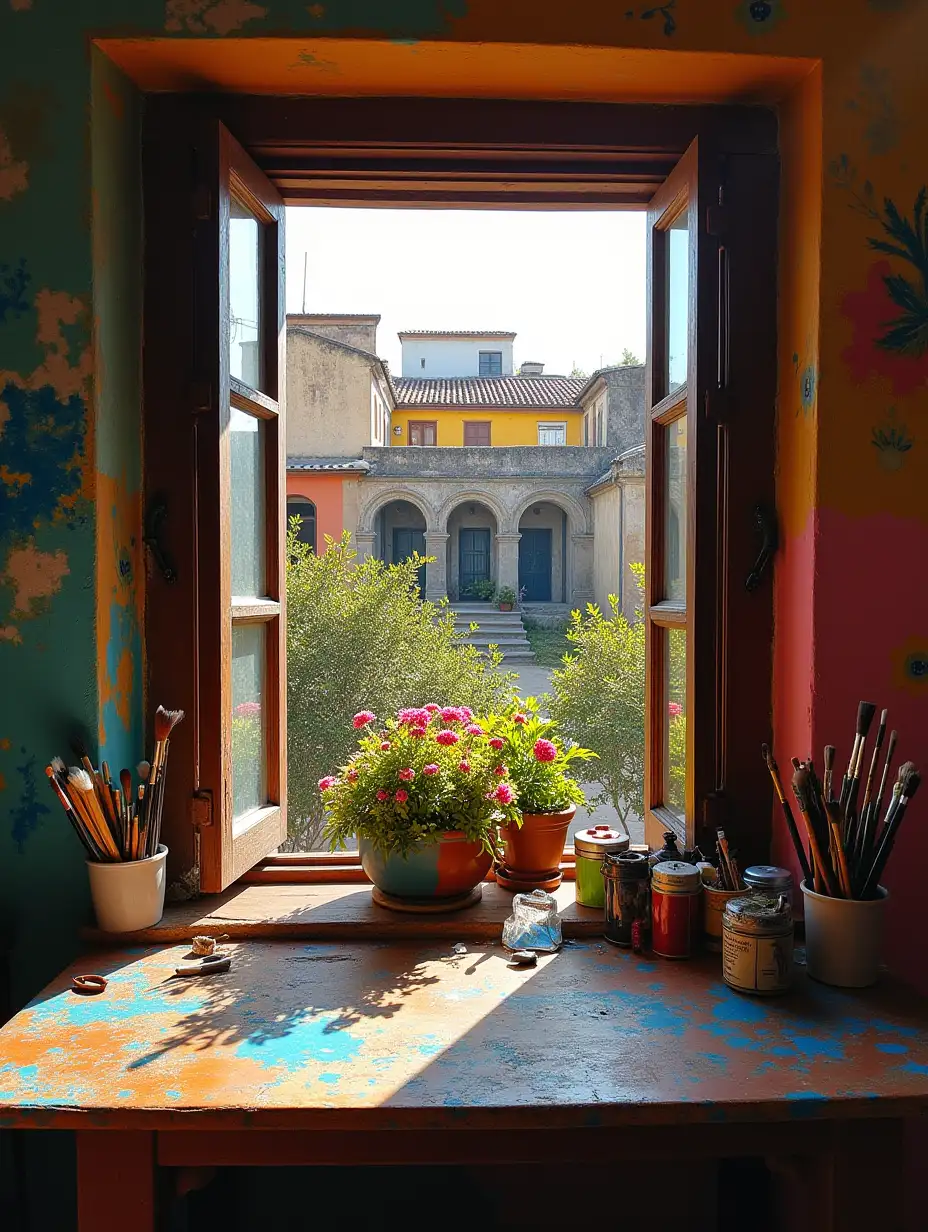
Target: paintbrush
{"points": [[830, 753], [865, 713], [884, 778], [788, 814], [87, 842], [83, 796], [837, 846], [908, 789], [802, 787]]}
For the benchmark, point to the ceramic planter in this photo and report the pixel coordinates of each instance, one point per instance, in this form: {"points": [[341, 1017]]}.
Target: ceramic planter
{"points": [[532, 852], [440, 876]]}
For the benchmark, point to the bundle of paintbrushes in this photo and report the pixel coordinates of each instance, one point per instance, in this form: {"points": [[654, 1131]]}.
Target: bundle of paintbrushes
{"points": [[848, 844], [728, 875], [116, 821]]}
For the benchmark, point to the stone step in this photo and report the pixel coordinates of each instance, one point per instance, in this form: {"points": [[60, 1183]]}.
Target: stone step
{"points": [[490, 626]]}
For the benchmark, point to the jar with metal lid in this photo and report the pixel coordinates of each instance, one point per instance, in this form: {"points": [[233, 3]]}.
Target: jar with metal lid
{"points": [[757, 943], [590, 848], [628, 898], [676, 908], [769, 879]]}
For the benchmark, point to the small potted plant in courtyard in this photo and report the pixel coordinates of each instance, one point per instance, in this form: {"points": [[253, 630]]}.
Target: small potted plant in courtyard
{"points": [[506, 598], [424, 794], [538, 764], [481, 588]]}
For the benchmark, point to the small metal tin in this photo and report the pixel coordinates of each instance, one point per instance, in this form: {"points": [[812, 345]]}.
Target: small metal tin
{"points": [[757, 943], [590, 849], [768, 878], [676, 908], [628, 898]]}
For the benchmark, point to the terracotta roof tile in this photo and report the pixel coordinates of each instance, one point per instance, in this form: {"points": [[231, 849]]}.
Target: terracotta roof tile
{"points": [[526, 392]]}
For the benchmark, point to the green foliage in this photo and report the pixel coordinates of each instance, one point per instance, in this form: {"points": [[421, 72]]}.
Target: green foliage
{"points": [[544, 782], [359, 637], [506, 595], [549, 645], [598, 699], [629, 359], [436, 792], [480, 588]]}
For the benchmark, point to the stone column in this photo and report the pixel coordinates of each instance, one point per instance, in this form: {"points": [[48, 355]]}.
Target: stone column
{"points": [[436, 571], [507, 560], [364, 546], [580, 571]]}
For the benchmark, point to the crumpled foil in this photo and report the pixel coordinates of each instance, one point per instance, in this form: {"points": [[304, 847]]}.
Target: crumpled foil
{"points": [[534, 924]]}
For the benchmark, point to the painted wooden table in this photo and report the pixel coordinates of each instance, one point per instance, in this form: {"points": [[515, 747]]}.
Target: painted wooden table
{"points": [[338, 1053]]}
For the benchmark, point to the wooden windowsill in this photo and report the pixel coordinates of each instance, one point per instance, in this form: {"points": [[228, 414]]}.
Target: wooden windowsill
{"points": [[339, 912]]}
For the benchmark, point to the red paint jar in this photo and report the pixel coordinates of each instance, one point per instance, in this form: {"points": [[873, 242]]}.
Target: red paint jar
{"points": [[676, 908]]}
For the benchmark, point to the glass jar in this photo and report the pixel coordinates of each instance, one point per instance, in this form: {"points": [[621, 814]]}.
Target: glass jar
{"points": [[676, 908], [769, 879], [590, 849], [757, 943], [628, 899]]}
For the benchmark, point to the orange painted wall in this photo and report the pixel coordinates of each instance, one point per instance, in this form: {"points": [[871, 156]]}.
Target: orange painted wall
{"points": [[326, 491]]}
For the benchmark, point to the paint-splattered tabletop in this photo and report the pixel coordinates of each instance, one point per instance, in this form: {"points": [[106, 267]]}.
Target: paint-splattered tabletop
{"points": [[415, 1035]]}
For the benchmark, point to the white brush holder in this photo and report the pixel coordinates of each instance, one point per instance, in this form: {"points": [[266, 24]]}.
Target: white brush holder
{"points": [[129, 895]]}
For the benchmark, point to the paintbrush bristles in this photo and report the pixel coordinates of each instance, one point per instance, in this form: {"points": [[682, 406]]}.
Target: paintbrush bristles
{"points": [[165, 722], [865, 713]]}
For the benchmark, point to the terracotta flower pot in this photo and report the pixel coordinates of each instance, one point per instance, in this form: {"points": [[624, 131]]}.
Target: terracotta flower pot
{"points": [[505, 607], [440, 876], [532, 853]]}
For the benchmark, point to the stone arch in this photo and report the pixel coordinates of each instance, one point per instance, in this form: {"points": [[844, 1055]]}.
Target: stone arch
{"points": [[479, 498], [379, 499], [579, 518]]}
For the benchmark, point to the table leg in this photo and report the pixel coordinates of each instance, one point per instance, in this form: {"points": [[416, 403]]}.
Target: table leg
{"points": [[115, 1181]]}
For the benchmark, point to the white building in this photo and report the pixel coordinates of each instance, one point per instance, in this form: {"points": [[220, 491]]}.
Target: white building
{"points": [[456, 353]]}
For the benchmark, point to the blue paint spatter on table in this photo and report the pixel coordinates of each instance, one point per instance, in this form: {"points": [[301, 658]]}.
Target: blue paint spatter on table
{"points": [[913, 1067], [816, 1047], [892, 1049], [128, 997], [306, 1040]]}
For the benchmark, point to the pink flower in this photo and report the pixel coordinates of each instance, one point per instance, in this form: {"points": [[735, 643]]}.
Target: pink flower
{"points": [[464, 767], [247, 710], [383, 795], [414, 716], [474, 729], [362, 718], [497, 744], [401, 796], [519, 718], [451, 714], [385, 746], [418, 732], [406, 775], [328, 782], [674, 709], [544, 750], [447, 737], [466, 715], [501, 772], [503, 794], [431, 769], [432, 707], [352, 776]]}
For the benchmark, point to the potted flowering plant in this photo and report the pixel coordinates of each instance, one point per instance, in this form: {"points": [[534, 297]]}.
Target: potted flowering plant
{"points": [[506, 598], [539, 764], [424, 793]]}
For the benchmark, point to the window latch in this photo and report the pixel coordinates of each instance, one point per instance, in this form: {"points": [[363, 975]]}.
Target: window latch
{"points": [[766, 523], [154, 524], [201, 809]]}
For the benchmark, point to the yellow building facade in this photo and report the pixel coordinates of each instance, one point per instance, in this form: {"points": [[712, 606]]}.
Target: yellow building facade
{"points": [[532, 426]]}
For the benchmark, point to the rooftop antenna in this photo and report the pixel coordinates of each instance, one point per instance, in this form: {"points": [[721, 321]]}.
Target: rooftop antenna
{"points": [[305, 268]]}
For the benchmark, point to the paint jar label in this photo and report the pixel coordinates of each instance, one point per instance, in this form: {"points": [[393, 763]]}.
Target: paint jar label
{"points": [[757, 964]]}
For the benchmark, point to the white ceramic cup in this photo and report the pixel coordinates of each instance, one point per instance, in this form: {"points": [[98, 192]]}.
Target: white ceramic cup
{"points": [[844, 938], [129, 895]]}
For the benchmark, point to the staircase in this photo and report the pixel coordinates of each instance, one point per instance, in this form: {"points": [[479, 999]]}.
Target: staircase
{"points": [[503, 629]]}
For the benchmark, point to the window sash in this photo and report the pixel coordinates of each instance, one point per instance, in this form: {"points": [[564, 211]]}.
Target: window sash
{"points": [[490, 363], [423, 432], [556, 430], [476, 433]]}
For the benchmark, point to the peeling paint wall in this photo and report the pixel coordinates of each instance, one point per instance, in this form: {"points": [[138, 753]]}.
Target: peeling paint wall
{"points": [[853, 457]]}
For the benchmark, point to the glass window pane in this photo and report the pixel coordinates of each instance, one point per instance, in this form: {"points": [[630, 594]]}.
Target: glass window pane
{"points": [[677, 324], [247, 505], [675, 512], [249, 773], [245, 358], [675, 721]]}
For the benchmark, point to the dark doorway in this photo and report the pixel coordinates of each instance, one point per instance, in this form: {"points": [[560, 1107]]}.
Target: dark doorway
{"points": [[407, 540], [474, 558], [535, 565]]}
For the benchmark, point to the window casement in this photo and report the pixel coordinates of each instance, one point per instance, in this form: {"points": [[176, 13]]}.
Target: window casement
{"points": [[476, 433], [214, 440], [552, 433], [423, 432], [491, 363]]}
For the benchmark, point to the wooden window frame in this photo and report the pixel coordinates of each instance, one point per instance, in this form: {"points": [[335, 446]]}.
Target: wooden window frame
{"points": [[421, 424], [297, 498], [470, 424], [488, 356], [499, 154]]}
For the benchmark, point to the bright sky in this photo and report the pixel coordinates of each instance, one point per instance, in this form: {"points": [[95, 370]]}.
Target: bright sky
{"points": [[571, 284]]}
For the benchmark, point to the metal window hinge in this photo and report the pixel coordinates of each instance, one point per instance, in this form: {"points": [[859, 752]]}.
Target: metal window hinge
{"points": [[718, 405], [200, 397], [201, 809]]}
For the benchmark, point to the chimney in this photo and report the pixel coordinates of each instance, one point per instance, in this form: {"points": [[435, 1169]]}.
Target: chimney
{"points": [[531, 368]]}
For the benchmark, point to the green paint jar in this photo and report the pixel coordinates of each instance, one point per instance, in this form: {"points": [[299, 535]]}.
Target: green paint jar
{"points": [[590, 848]]}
